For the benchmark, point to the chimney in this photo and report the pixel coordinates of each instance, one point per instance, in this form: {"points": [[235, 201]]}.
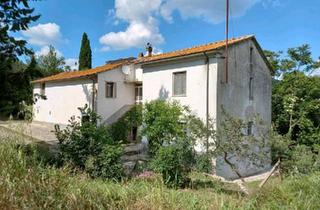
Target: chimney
{"points": [[140, 55], [149, 49]]}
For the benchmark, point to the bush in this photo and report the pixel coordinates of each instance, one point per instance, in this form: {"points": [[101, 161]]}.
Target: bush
{"points": [[162, 122], [171, 130], [107, 164], [120, 129], [25, 111], [87, 147], [204, 163], [295, 158], [174, 163]]}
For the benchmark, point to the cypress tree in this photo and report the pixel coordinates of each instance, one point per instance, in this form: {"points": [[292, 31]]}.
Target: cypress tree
{"points": [[85, 53]]}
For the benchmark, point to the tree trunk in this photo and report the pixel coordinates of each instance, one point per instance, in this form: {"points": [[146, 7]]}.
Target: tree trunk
{"points": [[232, 166]]}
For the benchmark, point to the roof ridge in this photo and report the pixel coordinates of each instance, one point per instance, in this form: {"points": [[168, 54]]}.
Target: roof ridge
{"points": [[203, 45], [124, 61]]}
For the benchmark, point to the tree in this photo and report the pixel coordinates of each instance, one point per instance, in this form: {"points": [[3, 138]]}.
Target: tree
{"points": [[296, 59], [51, 63], [274, 60], [15, 16], [33, 69], [85, 53], [296, 107]]}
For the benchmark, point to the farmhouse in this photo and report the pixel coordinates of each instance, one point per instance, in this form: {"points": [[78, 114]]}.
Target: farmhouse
{"points": [[195, 76]]}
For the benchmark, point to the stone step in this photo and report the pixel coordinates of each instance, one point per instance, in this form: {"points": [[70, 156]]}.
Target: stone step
{"points": [[137, 157], [132, 148], [129, 167]]}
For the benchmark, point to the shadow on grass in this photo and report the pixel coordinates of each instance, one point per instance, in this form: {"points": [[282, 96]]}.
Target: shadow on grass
{"points": [[39, 153], [216, 186]]}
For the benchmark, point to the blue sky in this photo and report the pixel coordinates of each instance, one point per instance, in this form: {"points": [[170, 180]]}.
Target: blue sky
{"points": [[121, 28]]}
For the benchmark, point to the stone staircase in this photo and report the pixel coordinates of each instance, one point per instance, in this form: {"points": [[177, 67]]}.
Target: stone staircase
{"points": [[134, 153], [118, 114]]}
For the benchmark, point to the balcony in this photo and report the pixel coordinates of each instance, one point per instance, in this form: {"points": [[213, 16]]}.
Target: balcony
{"points": [[132, 74]]}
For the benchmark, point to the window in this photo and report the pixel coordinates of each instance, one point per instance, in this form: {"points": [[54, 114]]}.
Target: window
{"points": [[251, 88], [251, 75], [111, 90], [138, 93], [43, 89], [179, 83], [249, 129]]}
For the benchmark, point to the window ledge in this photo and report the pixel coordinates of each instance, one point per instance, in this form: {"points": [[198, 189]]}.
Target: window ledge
{"points": [[179, 95]]}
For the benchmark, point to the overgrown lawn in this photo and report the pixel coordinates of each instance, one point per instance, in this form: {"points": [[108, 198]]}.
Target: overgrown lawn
{"points": [[26, 182]]}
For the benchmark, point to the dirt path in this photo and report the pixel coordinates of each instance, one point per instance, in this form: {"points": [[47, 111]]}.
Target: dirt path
{"points": [[37, 130]]}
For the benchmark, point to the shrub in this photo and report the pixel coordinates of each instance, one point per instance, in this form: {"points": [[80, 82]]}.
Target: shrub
{"points": [[203, 162], [171, 130], [174, 163], [25, 111], [161, 122], [107, 164], [165, 121], [120, 129], [295, 158], [85, 145]]}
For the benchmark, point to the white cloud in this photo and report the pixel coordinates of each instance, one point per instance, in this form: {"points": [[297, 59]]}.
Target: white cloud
{"points": [[45, 50], [43, 34], [142, 25], [212, 11], [73, 63], [136, 35], [137, 10], [271, 3]]}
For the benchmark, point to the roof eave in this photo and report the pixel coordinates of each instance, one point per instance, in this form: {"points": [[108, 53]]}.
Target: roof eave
{"points": [[64, 79], [178, 57], [262, 54]]}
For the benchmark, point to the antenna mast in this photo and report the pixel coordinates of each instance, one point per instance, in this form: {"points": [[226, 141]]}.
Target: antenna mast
{"points": [[227, 41]]}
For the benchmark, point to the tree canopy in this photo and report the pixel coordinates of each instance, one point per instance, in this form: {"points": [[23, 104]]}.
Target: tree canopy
{"points": [[295, 59], [51, 63], [16, 15], [85, 53]]}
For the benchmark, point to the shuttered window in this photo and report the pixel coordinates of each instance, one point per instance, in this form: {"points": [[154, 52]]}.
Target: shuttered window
{"points": [[251, 88], [179, 83], [111, 90], [43, 89], [251, 75], [249, 129]]}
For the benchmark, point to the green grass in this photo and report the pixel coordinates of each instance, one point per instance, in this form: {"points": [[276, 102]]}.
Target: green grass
{"points": [[29, 184]]}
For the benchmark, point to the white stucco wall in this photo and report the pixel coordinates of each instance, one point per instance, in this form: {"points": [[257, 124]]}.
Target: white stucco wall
{"points": [[112, 108], [63, 100], [158, 84], [234, 98]]}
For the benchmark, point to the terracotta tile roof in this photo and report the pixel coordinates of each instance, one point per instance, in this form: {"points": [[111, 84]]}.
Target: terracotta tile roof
{"points": [[77, 74], [192, 50], [169, 55]]}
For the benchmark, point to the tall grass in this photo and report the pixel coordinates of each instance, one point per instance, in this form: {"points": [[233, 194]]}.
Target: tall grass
{"points": [[27, 183]]}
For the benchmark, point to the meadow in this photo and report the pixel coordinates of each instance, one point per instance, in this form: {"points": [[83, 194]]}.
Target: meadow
{"points": [[28, 182]]}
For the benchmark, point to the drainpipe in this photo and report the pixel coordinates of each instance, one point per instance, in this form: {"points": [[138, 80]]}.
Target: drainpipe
{"points": [[207, 100], [93, 92]]}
